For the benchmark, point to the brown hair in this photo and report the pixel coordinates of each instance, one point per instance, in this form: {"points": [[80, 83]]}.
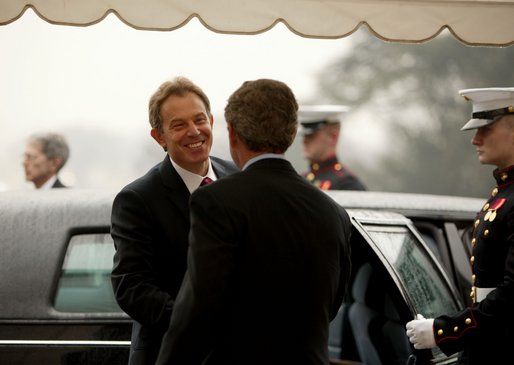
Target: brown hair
{"points": [[263, 113], [177, 86]]}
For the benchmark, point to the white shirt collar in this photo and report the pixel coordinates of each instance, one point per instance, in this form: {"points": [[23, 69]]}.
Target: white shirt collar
{"points": [[49, 183], [191, 179], [262, 157]]}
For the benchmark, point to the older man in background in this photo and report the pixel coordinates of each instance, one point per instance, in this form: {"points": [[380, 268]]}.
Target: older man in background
{"points": [[45, 155]]}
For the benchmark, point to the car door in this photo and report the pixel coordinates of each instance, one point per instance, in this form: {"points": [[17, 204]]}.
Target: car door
{"points": [[57, 304], [394, 277], [82, 323]]}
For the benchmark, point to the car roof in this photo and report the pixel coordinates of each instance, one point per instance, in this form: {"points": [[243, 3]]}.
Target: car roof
{"points": [[35, 230], [409, 204]]}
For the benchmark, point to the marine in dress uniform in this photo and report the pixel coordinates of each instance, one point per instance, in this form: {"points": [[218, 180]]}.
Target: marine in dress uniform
{"points": [[485, 330], [320, 130]]}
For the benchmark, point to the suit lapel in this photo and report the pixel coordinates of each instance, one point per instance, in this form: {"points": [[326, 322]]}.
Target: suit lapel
{"points": [[58, 184], [177, 192], [222, 167], [218, 168], [170, 177]]}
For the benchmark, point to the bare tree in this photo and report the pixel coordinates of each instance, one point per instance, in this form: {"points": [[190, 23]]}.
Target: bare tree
{"points": [[412, 89]]}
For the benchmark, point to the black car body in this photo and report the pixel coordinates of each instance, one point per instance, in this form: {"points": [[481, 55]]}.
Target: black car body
{"points": [[57, 305], [409, 255]]}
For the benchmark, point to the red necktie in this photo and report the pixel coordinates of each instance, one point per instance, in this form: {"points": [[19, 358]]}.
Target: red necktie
{"points": [[205, 181]]}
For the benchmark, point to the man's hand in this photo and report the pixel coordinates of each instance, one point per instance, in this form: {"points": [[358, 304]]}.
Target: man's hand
{"points": [[420, 332]]}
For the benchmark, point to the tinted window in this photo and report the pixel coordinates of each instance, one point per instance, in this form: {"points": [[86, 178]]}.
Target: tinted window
{"points": [[85, 282], [427, 289]]}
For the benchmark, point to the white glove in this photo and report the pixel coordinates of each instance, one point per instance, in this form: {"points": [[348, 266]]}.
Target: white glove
{"points": [[420, 332]]}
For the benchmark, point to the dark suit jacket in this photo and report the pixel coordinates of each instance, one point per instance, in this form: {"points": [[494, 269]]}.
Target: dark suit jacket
{"points": [[150, 225], [267, 270], [58, 184]]}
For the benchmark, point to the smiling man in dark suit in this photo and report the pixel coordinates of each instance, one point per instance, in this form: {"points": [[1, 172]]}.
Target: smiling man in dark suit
{"points": [[268, 260], [150, 216]]}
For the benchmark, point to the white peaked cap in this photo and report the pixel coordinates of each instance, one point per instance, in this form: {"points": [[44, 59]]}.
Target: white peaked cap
{"points": [[315, 117], [488, 105]]}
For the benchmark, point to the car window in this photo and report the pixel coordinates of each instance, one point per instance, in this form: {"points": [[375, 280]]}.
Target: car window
{"points": [[432, 237], [427, 289], [424, 282], [85, 282]]}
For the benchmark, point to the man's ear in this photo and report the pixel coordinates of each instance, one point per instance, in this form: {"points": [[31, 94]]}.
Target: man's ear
{"points": [[157, 135], [334, 135], [232, 136], [56, 164]]}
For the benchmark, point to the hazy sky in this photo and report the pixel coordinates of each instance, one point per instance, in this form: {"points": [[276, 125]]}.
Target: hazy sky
{"points": [[99, 78]]}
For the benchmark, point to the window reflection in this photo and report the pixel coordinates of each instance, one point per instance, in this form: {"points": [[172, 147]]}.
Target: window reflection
{"points": [[425, 286], [85, 282], [427, 289]]}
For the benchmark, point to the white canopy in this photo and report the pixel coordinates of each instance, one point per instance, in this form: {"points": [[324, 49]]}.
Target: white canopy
{"points": [[474, 22]]}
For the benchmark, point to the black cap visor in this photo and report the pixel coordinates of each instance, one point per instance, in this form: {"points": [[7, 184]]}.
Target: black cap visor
{"points": [[481, 119], [308, 129]]}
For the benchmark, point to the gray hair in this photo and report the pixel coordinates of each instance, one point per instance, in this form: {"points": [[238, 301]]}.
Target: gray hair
{"points": [[53, 145]]}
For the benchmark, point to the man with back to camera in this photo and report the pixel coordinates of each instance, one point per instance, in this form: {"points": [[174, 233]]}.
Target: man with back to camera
{"points": [[484, 331], [321, 127], [269, 254], [45, 155], [150, 216]]}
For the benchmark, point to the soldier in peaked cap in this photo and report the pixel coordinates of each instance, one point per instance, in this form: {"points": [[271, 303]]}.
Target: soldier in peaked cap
{"points": [[320, 129], [485, 330]]}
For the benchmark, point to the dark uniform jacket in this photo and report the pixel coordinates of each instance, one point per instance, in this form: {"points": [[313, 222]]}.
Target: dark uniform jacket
{"points": [[150, 225], [267, 271], [332, 175], [486, 329]]}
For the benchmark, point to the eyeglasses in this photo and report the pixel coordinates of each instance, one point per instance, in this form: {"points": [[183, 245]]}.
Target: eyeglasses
{"points": [[29, 157]]}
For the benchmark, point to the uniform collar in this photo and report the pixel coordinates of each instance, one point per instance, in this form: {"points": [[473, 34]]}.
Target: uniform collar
{"points": [[504, 176], [317, 166]]}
